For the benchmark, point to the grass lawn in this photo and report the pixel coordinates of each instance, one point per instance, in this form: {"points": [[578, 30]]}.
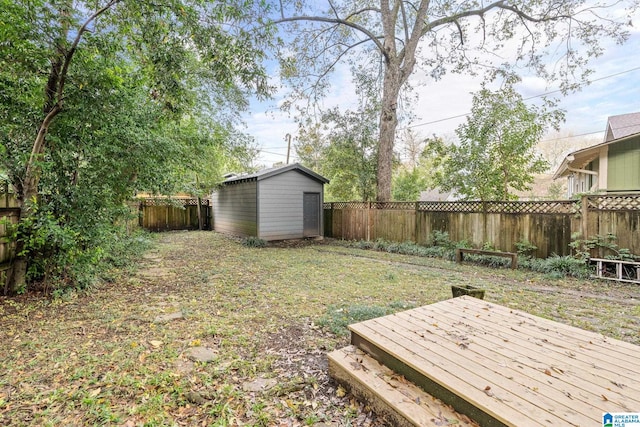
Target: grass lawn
{"points": [[268, 316]]}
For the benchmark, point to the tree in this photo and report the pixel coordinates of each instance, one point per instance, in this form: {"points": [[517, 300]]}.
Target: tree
{"points": [[411, 174], [99, 101], [496, 153], [310, 144], [408, 184], [437, 37], [344, 150]]}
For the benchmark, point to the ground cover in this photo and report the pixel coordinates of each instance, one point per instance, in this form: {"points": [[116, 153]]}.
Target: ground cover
{"points": [[126, 353]]}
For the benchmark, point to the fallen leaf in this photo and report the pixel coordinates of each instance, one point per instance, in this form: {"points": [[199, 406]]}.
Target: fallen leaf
{"points": [[487, 391], [95, 392], [341, 392], [155, 343], [548, 372]]}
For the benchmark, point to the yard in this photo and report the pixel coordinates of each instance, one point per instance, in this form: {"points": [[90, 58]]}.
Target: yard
{"points": [[122, 353]]}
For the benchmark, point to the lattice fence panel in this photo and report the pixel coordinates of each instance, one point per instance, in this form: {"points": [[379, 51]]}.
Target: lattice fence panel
{"points": [[174, 202], [350, 205], [405, 206], [515, 207], [627, 202], [450, 206]]}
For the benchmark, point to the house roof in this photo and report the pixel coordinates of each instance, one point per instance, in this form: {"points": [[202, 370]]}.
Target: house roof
{"points": [[267, 173], [581, 158], [622, 125], [434, 195], [619, 128]]}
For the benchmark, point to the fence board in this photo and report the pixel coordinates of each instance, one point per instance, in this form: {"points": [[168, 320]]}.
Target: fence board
{"points": [[393, 225], [549, 225], [166, 215]]}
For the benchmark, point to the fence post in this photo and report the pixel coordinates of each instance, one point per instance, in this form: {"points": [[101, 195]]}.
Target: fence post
{"points": [[584, 228], [368, 221], [415, 223], [484, 224]]}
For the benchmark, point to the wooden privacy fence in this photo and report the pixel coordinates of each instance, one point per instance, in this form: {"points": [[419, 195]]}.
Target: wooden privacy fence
{"points": [[548, 225], [161, 214], [9, 214]]}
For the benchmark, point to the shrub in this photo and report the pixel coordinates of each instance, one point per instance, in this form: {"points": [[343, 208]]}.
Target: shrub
{"points": [[253, 242], [411, 248], [582, 247], [441, 239], [525, 247], [63, 256], [337, 319], [558, 266]]}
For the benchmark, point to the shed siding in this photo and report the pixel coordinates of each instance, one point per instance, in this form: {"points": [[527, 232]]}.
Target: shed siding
{"points": [[234, 209], [281, 204]]}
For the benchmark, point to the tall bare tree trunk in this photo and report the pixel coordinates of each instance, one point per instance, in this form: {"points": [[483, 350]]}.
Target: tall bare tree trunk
{"points": [[399, 64], [388, 125]]}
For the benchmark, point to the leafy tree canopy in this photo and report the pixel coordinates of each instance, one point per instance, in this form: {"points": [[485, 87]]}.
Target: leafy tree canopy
{"points": [[496, 152], [343, 149], [102, 99]]}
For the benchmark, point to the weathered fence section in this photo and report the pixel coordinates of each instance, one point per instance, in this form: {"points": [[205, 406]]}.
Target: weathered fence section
{"points": [[9, 214], [548, 225], [160, 214]]}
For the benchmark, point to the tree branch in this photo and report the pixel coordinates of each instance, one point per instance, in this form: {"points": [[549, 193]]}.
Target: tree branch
{"points": [[74, 46], [372, 37]]}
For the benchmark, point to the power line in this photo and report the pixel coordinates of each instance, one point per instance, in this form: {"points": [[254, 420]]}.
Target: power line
{"points": [[525, 99]]}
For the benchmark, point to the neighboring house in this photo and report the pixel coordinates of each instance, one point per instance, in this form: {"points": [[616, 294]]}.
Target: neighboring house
{"points": [[436, 196], [544, 187], [272, 204], [611, 166]]}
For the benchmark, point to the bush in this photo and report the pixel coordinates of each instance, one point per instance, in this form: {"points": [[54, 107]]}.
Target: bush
{"points": [[441, 239], [525, 248], [253, 242], [555, 266], [558, 266], [62, 257], [337, 319], [582, 247], [410, 248]]}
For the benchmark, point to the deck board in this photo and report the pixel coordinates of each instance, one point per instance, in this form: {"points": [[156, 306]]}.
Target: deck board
{"points": [[526, 355], [397, 400], [517, 368]]}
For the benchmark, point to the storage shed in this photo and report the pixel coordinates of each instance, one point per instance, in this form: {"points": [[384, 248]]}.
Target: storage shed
{"points": [[273, 204]]}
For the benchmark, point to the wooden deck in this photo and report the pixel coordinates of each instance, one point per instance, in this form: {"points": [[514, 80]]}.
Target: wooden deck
{"points": [[501, 366]]}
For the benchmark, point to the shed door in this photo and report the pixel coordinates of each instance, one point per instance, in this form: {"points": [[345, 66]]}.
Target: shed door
{"points": [[311, 214]]}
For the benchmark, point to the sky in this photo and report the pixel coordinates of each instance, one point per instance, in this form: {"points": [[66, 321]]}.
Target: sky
{"points": [[441, 105]]}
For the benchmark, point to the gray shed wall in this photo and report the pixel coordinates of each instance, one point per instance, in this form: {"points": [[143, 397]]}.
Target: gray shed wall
{"points": [[281, 207], [235, 209]]}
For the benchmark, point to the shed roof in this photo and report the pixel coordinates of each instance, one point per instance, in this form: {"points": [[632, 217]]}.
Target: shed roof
{"points": [[267, 173]]}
